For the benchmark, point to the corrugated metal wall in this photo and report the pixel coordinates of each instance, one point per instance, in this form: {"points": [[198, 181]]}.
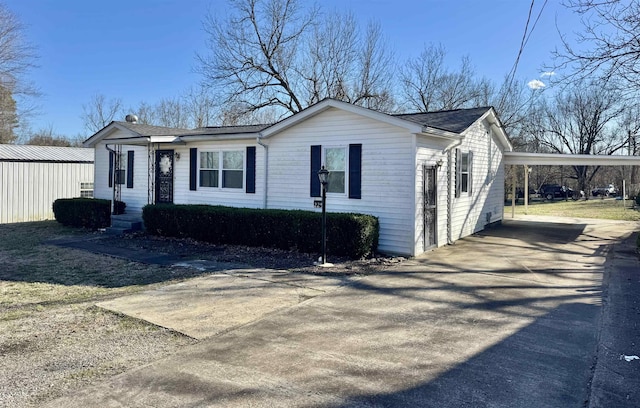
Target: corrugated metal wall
{"points": [[28, 189]]}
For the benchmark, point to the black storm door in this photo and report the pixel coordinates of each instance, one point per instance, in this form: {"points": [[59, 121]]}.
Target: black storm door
{"points": [[430, 208], [164, 176]]}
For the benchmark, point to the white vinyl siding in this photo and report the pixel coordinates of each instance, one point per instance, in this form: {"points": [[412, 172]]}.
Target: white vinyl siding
{"points": [[471, 212], [387, 172], [428, 153], [135, 198]]}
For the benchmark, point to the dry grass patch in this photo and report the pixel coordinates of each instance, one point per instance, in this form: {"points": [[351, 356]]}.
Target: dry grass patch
{"points": [[608, 209], [52, 337]]}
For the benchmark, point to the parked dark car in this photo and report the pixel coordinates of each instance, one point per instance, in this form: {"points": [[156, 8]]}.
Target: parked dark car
{"points": [[553, 191]]}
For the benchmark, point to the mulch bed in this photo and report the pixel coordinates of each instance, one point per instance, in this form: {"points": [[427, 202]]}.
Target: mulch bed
{"points": [[270, 258]]}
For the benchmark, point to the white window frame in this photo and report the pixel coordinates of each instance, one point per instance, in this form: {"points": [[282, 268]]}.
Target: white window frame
{"points": [[120, 168], [465, 158], [221, 169], [346, 167], [200, 168], [86, 189]]}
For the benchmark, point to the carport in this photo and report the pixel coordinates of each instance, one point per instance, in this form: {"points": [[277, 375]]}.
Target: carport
{"points": [[554, 159]]}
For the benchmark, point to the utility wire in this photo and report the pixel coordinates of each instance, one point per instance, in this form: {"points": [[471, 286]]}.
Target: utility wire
{"points": [[525, 39]]}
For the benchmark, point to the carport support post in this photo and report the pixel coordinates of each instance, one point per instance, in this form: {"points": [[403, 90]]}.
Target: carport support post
{"points": [[513, 192], [526, 189]]}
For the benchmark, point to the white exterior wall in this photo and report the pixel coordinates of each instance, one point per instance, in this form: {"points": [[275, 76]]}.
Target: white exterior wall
{"points": [[135, 198], [387, 172], [138, 196], [101, 187], [219, 196], [28, 189], [470, 213], [428, 153]]}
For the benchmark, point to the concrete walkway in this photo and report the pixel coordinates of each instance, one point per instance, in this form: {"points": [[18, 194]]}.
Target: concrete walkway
{"points": [[511, 317]]}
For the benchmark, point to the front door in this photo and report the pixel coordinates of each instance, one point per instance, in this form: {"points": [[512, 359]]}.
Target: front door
{"points": [[429, 207], [164, 176]]}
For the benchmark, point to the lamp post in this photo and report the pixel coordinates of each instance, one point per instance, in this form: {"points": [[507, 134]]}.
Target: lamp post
{"points": [[323, 175]]}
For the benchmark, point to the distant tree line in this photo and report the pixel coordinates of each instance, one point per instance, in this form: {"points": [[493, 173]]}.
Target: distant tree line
{"points": [[267, 59]]}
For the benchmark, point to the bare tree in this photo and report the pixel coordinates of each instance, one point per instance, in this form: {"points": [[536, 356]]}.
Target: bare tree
{"points": [[428, 85], [515, 102], [146, 113], [170, 112], [17, 56], [200, 107], [99, 112], [582, 120], [274, 55], [48, 137], [8, 116], [609, 46]]}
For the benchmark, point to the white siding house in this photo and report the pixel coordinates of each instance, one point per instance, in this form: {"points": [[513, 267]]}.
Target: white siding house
{"points": [[430, 178], [33, 177]]}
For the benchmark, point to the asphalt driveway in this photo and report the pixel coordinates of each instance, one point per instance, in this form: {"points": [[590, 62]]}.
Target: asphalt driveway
{"points": [[512, 317]]}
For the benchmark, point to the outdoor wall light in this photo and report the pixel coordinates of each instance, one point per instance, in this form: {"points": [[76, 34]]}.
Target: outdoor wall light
{"points": [[439, 163], [177, 155]]}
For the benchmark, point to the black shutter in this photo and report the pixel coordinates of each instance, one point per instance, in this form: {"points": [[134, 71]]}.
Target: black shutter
{"points": [[130, 168], [355, 170], [111, 169], [193, 168], [316, 160], [250, 177]]}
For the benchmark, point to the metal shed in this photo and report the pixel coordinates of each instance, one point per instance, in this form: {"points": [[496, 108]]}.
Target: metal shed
{"points": [[33, 177]]}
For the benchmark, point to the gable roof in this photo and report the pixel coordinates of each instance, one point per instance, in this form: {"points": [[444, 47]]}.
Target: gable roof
{"points": [[150, 130], [326, 104], [443, 124], [28, 153], [456, 121]]}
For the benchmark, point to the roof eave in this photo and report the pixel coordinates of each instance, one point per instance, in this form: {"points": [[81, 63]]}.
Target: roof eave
{"points": [[496, 125], [104, 132], [440, 133], [332, 103], [211, 138]]}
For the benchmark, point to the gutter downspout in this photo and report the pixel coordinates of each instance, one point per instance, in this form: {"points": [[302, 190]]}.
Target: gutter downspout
{"points": [[450, 183], [113, 180], [266, 169]]}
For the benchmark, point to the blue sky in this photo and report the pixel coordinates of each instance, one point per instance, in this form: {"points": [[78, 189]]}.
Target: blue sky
{"points": [[144, 50]]}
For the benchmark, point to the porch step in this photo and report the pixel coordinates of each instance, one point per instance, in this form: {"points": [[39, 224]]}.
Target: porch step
{"points": [[125, 223]]}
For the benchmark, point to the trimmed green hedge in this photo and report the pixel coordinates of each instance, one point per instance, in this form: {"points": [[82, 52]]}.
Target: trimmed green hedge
{"points": [[83, 212], [352, 235]]}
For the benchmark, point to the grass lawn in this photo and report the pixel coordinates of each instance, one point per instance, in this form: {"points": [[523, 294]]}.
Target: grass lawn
{"points": [[52, 337], [608, 208]]}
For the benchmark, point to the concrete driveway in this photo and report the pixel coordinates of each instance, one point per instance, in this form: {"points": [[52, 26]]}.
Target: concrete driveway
{"points": [[511, 317]]}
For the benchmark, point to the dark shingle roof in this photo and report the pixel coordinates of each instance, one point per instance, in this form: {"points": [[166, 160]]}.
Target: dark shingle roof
{"points": [[223, 130], [149, 130], [452, 120]]}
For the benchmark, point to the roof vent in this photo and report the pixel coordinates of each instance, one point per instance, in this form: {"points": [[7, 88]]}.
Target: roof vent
{"points": [[131, 118]]}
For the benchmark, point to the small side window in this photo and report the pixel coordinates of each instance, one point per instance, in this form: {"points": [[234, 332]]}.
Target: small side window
{"points": [[86, 190]]}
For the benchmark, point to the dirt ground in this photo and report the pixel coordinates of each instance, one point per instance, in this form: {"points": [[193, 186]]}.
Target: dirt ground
{"points": [[54, 339]]}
